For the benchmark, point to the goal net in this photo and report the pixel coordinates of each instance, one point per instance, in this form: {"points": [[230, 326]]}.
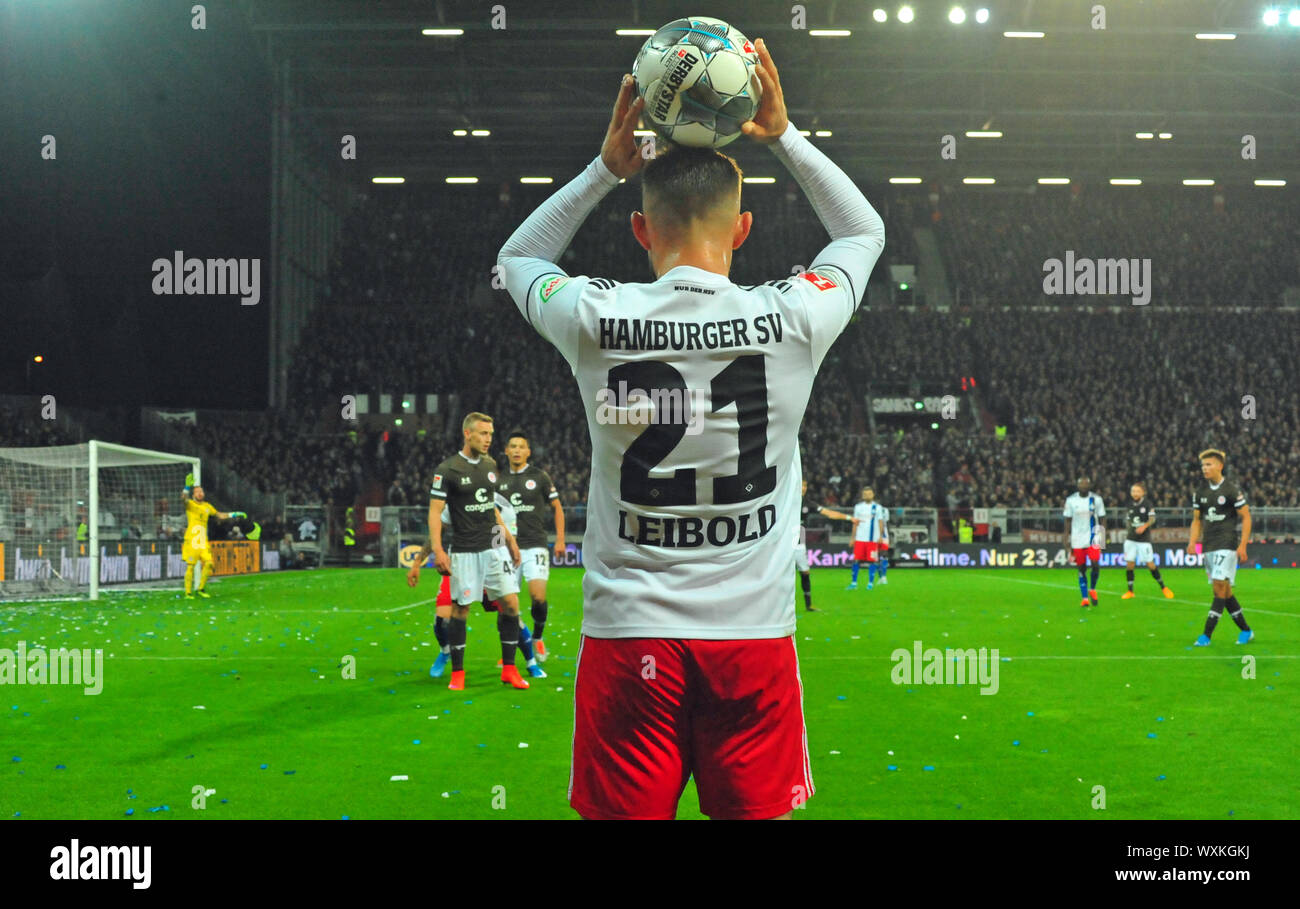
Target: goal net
{"points": [[75, 517]]}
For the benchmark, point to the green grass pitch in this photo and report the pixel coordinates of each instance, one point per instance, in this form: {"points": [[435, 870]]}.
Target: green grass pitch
{"points": [[245, 694]]}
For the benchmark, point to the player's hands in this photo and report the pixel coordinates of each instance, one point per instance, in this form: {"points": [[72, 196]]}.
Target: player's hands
{"points": [[619, 151], [442, 562], [514, 551], [1191, 549], [1241, 554], [189, 481], [771, 120], [413, 576], [237, 515], [560, 548]]}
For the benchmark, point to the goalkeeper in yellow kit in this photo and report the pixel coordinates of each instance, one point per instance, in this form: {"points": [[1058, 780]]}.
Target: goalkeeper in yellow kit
{"points": [[195, 546]]}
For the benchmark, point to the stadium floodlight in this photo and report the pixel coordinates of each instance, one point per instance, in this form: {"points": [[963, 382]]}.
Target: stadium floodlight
{"points": [[460, 132], [1165, 135], [956, 15], [1270, 183], [1215, 36], [461, 180], [978, 181], [760, 179], [822, 134], [1054, 181], [830, 32], [643, 132], [634, 32], [983, 134], [480, 132], [46, 493], [904, 179], [1125, 181], [387, 179], [879, 15], [1023, 34], [906, 15], [1293, 18], [442, 32], [1272, 17], [981, 15], [536, 179], [38, 359], [1198, 182], [805, 132], [1145, 135]]}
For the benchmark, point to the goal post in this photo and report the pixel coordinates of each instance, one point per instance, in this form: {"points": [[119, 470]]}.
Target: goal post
{"points": [[79, 499]]}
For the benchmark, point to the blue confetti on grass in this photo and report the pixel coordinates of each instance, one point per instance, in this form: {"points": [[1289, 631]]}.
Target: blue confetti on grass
{"points": [[223, 801], [130, 811], [415, 742], [1151, 735], [345, 818], [840, 697], [1016, 742], [928, 767], [1030, 713], [290, 772], [1160, 777], [263, 767], [60, 767], [16, 759], [893, 766]]}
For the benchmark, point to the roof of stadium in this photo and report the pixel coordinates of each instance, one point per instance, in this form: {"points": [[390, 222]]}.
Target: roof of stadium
{"points": [[1070, 103]]}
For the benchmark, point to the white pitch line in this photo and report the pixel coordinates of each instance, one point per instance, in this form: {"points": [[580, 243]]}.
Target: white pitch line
{"points": [[1143, 596]]}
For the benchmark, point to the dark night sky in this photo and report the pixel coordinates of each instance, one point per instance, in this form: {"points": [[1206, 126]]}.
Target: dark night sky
{"points": [[163, 138]]}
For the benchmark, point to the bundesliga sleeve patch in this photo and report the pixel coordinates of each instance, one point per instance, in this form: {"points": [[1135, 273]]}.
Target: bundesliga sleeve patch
{"points": [[821, 282], [550, 286]]}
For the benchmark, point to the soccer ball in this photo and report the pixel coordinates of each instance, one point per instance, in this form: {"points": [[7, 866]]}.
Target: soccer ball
{"points": [[699, 79]]}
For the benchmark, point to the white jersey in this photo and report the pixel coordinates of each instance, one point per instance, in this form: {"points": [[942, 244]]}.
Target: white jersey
{"points": [[1085, 514], [871, 521], [694, 389]]}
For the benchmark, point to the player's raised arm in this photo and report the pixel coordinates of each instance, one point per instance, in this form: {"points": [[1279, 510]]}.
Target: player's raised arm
{"points": [[527, 261], [857, 232]]}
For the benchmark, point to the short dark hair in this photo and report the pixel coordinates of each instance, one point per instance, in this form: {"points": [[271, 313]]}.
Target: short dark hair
{"points": [[683, 182], [518, 434]]}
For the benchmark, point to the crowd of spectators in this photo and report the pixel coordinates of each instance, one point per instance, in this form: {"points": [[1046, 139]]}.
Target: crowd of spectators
{"points": [[1117, 395]]}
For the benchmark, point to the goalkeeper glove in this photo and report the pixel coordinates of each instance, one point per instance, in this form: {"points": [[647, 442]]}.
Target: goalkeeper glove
{"points": [[237, 515], [189, 483]]}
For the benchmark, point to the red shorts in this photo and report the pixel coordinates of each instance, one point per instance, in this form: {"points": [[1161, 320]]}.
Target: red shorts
{"points": [[1082, 555], [651, 712], [444, 591], [864, 551]]}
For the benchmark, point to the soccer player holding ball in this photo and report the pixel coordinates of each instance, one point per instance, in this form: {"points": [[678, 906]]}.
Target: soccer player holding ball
{"points": [[687, 666], [195, 548]]}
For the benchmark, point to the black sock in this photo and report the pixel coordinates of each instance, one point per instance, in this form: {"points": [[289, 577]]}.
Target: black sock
{"points": [[1155, 573], [805, 581], [1096, 571], [508, 628], [1216, 610], [1128, 574], [456, 640], [539, 618], [1234, 610], [440, 631]]}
